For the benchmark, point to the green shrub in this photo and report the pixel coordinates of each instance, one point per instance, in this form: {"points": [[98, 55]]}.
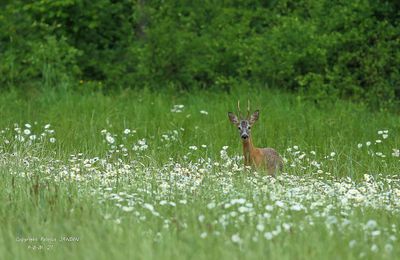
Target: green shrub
{"points": [[322, 49]]}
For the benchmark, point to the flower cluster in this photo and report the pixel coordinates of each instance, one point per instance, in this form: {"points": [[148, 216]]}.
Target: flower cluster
{"points": [[27, 135], [177, 108], [222, 198]]}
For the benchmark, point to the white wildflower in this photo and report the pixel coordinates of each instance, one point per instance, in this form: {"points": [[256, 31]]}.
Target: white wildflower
{"points": [[142, 142], [260, 227], [375, 233], [238, 201], [296, 207], [148, 206], [286, 226], [269, 207], [371, 224], [109, 138], [266, 215], [177, 108], [268, 235], [211, 205], [201, 218], [236, 239], [243, 209], [127, 209]]}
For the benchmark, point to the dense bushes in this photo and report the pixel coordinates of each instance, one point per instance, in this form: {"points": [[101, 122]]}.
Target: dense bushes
{"points": [[323, 49]]}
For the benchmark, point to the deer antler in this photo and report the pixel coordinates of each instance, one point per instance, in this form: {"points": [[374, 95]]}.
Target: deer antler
{"points": [[239, 113], [248, 108]]}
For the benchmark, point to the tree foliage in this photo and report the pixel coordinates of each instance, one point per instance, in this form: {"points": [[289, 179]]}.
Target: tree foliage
{"points": [[320, 48]]}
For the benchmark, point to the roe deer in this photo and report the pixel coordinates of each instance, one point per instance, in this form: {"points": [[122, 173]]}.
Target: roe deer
{"points": [[260, 158]]}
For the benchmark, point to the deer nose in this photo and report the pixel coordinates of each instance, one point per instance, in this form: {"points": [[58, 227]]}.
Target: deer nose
{"points": [[245, 136]]}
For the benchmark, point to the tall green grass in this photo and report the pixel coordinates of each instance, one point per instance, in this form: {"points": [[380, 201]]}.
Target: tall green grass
{"points": [[42, 207], [285, 121]]}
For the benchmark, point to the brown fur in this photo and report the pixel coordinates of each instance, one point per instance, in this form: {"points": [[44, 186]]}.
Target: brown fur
{"points": [[266, 159]]}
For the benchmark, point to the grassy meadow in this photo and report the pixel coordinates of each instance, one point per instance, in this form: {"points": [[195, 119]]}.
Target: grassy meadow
{"points": [[159, 175]]}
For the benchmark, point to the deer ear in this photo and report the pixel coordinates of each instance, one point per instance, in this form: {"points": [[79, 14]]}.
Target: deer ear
{"points": [[254, 117], [233, 118]]}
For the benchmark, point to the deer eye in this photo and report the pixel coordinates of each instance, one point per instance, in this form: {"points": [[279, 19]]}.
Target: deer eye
{"points": [[239, 127], [249, 127]]}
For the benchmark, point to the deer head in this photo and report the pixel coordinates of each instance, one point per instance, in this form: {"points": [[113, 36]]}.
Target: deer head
{"points": [[244, 124]]}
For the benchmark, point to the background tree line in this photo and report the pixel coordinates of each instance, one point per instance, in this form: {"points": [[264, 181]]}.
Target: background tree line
{"points": [[322, 49]]}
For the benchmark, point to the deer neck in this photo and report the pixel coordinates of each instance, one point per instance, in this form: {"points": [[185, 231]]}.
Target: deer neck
{"points": [[247, 150]]}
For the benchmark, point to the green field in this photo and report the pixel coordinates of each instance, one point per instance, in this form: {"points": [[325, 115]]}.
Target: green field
{"points": [[159, 175]]}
